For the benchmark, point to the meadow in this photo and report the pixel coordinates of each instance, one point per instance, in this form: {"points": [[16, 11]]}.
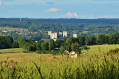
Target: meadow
{"points": [[12, 50], [94, 63], [101, 49]]}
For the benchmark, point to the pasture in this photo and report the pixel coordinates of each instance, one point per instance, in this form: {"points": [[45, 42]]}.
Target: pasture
{"points": [[94, 64]]}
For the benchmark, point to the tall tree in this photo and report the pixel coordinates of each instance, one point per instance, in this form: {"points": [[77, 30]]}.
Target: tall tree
{"points": [[21, 42], [44, 46], [102, 39], [6, 42], [51, 44], [92, 40], [113, 38], [82, 40], [75, 47]]}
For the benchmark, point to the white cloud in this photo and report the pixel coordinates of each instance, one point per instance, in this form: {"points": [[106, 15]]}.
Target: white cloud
{"points": [[75, 14], [0, 2], [53, 10], [70, 14]]}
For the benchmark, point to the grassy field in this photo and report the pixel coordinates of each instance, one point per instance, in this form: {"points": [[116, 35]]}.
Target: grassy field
{"points": [[91, 65], [12, 50], [101, 49]]}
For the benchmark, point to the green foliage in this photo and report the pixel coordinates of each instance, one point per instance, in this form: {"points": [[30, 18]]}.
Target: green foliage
{"points": [[21, 42], [51, 44], [38, 46], [31, 48], [5, 42], [29, 45], [92, 40], [85, 48], [59, 43], [70, 44], [44, 46], [82, 40], [75, 47], [62, 49], [113, 38], [15, 45], [102, 39]]}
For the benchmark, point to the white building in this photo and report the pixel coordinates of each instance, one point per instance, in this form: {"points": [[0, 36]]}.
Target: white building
{"points": [[49, 32], [53, 35], [64, 33], [74, 35]]}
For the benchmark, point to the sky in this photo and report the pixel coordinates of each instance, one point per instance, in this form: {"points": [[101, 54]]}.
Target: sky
{"points": [[82, 9]]}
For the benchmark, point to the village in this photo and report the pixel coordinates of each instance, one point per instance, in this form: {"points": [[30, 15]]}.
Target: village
{"points": [[47, 35], [18, 31]]}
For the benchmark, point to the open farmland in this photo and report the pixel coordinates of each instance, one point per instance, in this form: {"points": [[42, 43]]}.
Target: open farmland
{"points": [[46, 66]]}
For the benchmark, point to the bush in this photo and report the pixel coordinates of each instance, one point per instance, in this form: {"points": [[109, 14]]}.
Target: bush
{"points": [[31, 48]]}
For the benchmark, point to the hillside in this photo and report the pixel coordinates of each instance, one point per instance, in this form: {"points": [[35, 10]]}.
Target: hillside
{"points": [[66, 20], [37, 30]]}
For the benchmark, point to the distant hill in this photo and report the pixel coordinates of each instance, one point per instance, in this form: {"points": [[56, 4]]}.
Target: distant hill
{"points": [[100, 20]]}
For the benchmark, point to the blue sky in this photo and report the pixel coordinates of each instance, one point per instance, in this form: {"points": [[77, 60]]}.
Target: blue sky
{"points": [[60, 8]]}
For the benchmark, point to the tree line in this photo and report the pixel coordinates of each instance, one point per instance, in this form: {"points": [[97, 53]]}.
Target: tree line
{"points": [[7, 42], [70, 44]]}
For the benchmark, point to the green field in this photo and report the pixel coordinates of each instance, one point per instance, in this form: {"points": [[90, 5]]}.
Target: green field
{"points": [[92, 64], [12, 50], [101, 49], [92, 49]]}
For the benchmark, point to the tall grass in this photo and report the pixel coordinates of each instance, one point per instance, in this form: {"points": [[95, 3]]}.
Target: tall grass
{"points": [[40, 66], [85, 67]]}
